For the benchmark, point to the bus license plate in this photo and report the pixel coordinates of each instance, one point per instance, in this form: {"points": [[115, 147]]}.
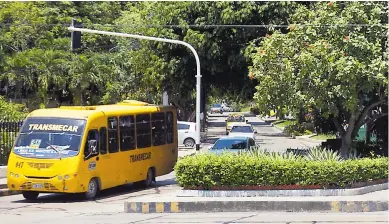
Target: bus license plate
{"points": [[37, 186]]}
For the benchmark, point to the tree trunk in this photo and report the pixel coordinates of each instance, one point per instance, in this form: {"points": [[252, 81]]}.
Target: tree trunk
{"points": [[346, 135], [368, 129], [346, 144]]}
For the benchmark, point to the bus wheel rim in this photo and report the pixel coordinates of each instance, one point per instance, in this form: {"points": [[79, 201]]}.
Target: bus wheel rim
{"points": [[149, 177], [92, 187]]}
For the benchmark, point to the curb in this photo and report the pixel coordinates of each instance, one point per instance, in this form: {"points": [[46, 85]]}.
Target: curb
{"points": [[255, 206], [7, 192], [310, 140], [283, 193]]}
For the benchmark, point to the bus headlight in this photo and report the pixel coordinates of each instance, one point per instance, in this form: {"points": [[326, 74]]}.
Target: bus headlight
{"points": [[11, 174], [66, 177], [59, 177], [16, 175]]}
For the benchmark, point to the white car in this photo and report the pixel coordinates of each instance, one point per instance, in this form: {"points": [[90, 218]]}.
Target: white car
{"points": [[242, 130], [186, 133], [216, 108], [227, 109]]}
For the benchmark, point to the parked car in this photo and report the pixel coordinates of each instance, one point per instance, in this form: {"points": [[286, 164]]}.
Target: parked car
{"points": [[227, 108], [186, 133], [234, 119], [216, 108], [244, 130], [232, 144]]}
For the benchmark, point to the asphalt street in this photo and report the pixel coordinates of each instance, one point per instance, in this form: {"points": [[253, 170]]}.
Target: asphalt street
{"points": [[267, 136]]}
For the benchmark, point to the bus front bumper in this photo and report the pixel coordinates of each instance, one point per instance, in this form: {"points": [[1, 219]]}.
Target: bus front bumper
{"points": [[57, 184]]}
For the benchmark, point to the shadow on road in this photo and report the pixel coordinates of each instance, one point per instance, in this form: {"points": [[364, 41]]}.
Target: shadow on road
{"points": [[105, 194], [273, 134], [216, 115], [259, 123], [217, 124]]}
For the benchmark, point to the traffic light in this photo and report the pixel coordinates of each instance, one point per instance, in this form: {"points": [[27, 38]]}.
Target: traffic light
{"points": [[75, 37]]}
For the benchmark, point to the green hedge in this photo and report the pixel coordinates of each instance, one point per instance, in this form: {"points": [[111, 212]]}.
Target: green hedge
{"points": [[208, 170]]}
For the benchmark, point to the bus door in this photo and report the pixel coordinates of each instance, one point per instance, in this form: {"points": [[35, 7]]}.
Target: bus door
{"points": [[98, 165], [91, 155]]}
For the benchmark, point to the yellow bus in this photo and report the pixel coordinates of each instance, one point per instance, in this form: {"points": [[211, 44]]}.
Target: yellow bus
{"points": [[85, 149], [234, 119]]}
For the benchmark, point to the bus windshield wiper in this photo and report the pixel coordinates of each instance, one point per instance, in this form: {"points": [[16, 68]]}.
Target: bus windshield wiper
{"points": [[55, 149]]}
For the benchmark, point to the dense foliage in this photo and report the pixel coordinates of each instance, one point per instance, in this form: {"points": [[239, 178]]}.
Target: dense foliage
{"points": [[208, 170], [334, 58], [38, 68], [11, 112]]}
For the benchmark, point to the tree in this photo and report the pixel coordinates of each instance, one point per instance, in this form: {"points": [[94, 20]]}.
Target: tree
{"points": [[333, 58], [11, 111], [210, 28]]}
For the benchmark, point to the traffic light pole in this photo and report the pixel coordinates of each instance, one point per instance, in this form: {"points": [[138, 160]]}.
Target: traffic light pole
{"points": [[198, 76]]}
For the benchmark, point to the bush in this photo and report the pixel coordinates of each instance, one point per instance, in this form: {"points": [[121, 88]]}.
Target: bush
{"points": [[208, 170], [294, 129], [11, 111]]}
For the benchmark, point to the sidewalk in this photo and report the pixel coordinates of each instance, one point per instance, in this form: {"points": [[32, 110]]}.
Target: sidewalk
{"points": [[375, 201], [3, 183]]}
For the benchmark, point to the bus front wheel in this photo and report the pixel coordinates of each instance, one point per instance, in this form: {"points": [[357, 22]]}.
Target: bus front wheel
{"points": [[30, 195], [93, 188]]}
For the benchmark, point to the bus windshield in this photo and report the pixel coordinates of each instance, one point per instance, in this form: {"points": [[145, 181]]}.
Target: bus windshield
{"points": [[50, 138]]}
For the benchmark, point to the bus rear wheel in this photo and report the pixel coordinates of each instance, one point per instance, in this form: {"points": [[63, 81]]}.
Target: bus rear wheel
{"points": [[149, 179], [93, 189], [30, 195]]}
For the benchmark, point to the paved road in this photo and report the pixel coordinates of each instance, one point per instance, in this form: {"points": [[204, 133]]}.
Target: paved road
{"points": [[267, 136], [14, 209], [85, 217]]}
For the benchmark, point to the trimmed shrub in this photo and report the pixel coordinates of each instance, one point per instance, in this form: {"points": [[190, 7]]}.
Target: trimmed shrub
{"points": [[208, 170]]}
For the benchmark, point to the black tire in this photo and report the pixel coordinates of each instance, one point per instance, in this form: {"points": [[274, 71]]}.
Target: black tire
{"points": [[149, 180], [189, 142], [30, 195], [93, 189]]}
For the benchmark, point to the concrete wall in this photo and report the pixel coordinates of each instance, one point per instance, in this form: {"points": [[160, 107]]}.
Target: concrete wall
{"points": [[3, 171]]}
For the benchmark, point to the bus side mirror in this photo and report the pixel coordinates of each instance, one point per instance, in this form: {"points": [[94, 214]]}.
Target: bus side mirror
{"points": [[247, 121]]}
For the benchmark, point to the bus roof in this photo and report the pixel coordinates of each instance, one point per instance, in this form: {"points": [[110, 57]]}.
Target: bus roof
{"points": [[86, 111]]}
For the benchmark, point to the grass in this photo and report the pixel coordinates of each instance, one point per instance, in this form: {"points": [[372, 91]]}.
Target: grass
{"points": [[245, 109], [284, 123], [324, 136]]}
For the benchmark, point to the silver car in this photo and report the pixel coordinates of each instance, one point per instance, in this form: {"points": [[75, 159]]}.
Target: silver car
{"points": [[216, 108], [242, 130]]}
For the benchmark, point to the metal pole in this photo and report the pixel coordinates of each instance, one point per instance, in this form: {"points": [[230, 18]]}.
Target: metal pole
{"points": [[71, 42], [198, 76]]}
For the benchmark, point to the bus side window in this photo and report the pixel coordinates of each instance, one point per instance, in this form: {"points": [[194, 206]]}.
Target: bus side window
{"points": [[113, 135], [158, 128], [103, 140], [143, 130], [169, 127], [92, 135], [127, 133]]}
